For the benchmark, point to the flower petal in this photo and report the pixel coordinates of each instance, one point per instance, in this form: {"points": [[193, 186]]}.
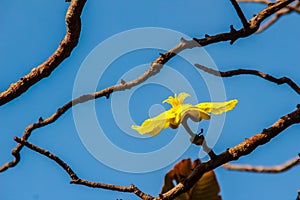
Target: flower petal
{"points": [[170, 100], [217, 108], [176, 100], [153, 126], [181, 97]]}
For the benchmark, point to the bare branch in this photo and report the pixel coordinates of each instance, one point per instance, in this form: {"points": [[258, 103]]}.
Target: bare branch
{"points": [[261, 169], [294, 7], [298, 196], [75, 179], [279, 14], [284, 11], [240, 13], [256, 1], [279, 81], [268, 23], [234, 153], [63, 51], [155, 68], [255, 22]]}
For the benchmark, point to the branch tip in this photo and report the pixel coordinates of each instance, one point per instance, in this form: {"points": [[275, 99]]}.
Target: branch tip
{"points": [[16, 138]]}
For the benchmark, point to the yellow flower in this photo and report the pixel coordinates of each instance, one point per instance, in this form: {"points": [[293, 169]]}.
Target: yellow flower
{"points": [[174, 116]]}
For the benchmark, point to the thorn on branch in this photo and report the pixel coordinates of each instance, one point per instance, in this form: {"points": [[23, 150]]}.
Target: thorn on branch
{"points": [[298, 106], [206, 35], [265, 130], [233, 32], [123, 82], [41, 119], [232, 29], [107, 95], [232, 41], [162, 55], [271, 4], [183, 40]]}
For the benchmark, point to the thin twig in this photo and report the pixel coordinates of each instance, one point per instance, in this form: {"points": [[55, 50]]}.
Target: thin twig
{"points": [[255, 1], [254, 25], [63, 51], [293, 7], [279, 14], [234, 153], [207, 149], [279, 81], [262, 169], [197, 139], [75, 179], [284, 11], [240, 13]]}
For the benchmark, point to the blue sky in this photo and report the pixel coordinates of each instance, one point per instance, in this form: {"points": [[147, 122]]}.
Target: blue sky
{"points": [[31, 31]]}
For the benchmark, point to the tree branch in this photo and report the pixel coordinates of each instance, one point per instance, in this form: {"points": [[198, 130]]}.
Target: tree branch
{"points": [[294, 7], [75, 179], [234, 153], [287, 10], [261, 169], [254, 25], [240, 13], [279, 14], [279, 81], [63, 51]]}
